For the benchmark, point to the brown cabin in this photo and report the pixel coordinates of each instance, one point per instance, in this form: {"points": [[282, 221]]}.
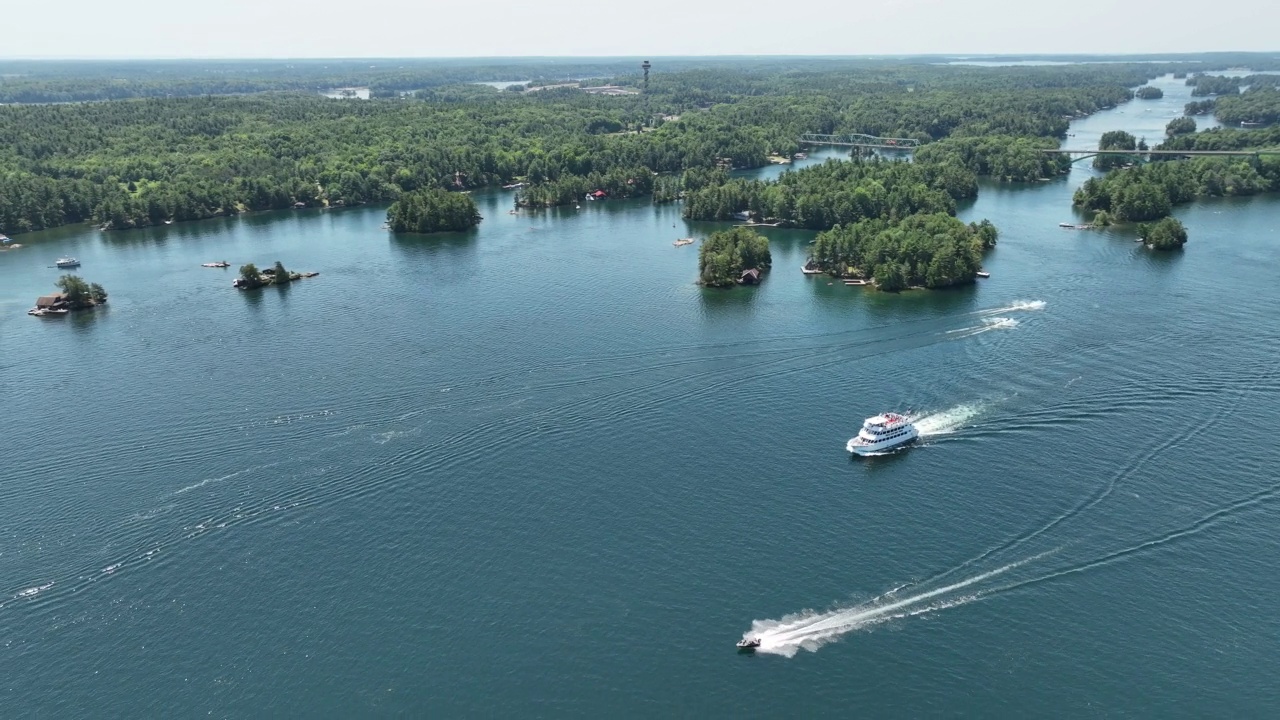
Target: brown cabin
{"points": [[53, 301], [750, 276]]}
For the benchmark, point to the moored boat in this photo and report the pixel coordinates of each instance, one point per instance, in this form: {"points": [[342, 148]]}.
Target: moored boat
{"points": [[983, 274], [883, 432]]}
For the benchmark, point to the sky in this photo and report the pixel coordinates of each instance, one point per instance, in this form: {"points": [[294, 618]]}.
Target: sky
{"points": [[491, 28]]}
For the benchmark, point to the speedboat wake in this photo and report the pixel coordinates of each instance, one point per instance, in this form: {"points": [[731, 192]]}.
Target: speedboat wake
{"points": [[809, 630]]}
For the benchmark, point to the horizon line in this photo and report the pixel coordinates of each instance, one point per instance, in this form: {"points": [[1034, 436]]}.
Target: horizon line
{"points": [[819, 56]]}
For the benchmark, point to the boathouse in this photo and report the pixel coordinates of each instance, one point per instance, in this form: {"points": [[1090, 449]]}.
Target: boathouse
{"points": [[750, 276], [51, 302]]}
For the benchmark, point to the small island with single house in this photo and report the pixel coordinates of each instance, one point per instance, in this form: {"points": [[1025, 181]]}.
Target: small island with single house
{"points": [[738, 256], [76, 295], [251, 277]]}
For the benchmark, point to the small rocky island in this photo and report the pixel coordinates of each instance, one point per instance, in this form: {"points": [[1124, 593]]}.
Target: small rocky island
{"points": [[76, 295], [251, 277]]}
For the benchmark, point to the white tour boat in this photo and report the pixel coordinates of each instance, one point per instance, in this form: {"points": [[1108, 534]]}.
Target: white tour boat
{"points": [[67, 262], [883, 432]]}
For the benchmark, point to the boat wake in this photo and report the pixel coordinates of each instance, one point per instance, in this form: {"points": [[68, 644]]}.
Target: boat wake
{"points": [[988, 324], [809, 630], [947, 421]]}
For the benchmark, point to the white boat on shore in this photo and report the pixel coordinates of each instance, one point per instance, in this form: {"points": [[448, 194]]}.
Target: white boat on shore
{"points": [[882, 433]]}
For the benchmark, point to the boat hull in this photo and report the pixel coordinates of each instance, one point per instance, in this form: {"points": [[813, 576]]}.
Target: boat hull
{"points": [[881, 447]]}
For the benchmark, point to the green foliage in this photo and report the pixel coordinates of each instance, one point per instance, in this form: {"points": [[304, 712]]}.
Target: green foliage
{"points": [[1147, 92], [1115, 140], [930, 250], [1180, 126], [432, 210], [250, 276], [1259, 105], [1148, 192], [1202, 85], [838, 192], [79, 293], [97, 293], [725, 254], [568, 189], [1101, 219], [197, 157], [1013, 159], [1199, 107], [1226, 139], [280, 275], [1166, 234]]}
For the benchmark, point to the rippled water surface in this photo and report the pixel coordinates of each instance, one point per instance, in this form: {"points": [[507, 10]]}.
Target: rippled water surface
{"points": [[534, 470]]}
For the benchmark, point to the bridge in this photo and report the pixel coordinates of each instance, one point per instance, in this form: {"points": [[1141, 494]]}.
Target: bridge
{"points": [[872, 142], [1090, 153], [861, 141]]}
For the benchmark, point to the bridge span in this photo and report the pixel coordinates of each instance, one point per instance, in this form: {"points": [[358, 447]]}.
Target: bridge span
{"points": [[873, 142]]}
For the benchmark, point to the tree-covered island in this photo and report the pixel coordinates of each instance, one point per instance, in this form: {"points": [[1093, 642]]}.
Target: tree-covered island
{"points": [[932, 250], [734, 256], [432, 210], [1165, 234]]}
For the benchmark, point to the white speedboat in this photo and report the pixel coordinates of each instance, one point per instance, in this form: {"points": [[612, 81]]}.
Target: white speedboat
{"points": [[883, 432], [748, 644], [67, 262]]}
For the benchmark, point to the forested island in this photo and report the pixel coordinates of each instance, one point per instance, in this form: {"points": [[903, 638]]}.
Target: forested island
{"points": [[1149, 191], [1180, 126], [838, 192], [1148, 92], [930, 250], [1165, 234], [735, 256], [432, 210]]}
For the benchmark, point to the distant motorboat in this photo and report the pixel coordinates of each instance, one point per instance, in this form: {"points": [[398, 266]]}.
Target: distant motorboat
{"points": [[222, 264], [748, 644], [983, 274], [67, 262]]}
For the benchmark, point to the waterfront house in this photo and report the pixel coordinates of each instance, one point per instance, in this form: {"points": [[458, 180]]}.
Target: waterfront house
{"points": [[52, 302]]}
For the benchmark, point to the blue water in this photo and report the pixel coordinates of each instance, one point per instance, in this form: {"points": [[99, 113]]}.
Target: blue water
{"points": [[534, 470]]}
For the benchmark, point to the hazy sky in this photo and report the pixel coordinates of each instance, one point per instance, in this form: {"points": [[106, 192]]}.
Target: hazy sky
{"points": [[436, 28]]}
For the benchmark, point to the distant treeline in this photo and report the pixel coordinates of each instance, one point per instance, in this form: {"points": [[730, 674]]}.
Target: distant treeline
{"points": [[131, 163]]}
